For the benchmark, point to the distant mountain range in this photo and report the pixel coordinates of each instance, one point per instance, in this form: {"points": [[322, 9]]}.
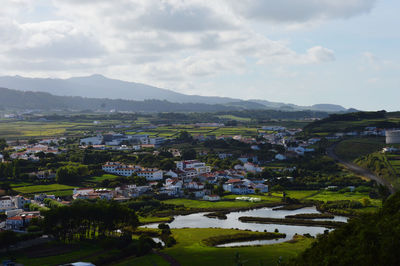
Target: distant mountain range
{"points": [[100, 87]]}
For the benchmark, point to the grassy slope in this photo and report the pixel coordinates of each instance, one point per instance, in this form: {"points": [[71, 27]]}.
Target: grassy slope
{"points": [[353, 148], [42, 188]]}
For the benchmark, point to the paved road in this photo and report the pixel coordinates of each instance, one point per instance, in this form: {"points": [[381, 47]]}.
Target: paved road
{"points": [[359, 170]]}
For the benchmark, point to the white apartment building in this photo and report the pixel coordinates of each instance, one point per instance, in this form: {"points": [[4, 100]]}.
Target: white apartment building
{"points": [[200, 167]]}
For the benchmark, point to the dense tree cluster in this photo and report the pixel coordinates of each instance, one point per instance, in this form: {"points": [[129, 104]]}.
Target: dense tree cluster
{"points": [[368, 240], [86, 220]]}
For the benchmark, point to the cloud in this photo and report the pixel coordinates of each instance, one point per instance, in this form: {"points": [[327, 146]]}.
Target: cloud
{"points": [[160, 42], [300, 10]]}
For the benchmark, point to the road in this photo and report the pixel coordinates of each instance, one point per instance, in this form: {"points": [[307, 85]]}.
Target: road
{"points": [[359, 170]]}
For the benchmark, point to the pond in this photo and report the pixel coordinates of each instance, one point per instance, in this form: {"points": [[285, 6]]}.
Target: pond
{"points": [[198, 220]]}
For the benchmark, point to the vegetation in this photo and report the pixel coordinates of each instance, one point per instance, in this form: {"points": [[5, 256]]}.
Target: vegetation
{"points": [[190, 249], [238, 237], [290, 221], [83, 220], [368, 240]]}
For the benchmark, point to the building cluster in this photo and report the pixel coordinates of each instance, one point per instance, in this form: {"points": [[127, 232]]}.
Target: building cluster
{"points": [[190, 178], [112, 140], [30, 151], [13, 207]]}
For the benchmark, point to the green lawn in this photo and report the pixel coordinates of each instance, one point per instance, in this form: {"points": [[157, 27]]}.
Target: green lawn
{"points": [[149, 260], [152, 219], [220, 204], [353, 148], [191, 251], [98, 179], [324, 195], [42, 188]]}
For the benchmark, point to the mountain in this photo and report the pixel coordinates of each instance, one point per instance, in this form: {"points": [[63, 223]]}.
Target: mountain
{"points": [[24, 100], [98, 86]]}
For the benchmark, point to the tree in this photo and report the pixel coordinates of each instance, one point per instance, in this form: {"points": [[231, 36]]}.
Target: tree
{"points": [[189, 154], [3, 144], [7, 238]]}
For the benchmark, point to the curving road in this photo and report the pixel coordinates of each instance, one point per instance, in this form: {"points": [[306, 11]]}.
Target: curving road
{"points": [[359, 170]]}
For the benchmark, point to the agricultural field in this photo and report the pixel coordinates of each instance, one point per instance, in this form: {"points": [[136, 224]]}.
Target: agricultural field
{"points": [[394, 161], [44, 188]]}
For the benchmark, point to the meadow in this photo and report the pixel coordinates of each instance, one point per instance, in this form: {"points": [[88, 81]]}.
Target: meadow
{"points": [[50, 189], [353, 148], [190, 250]]}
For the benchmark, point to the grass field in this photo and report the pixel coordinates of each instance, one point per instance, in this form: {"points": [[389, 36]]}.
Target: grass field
{"points": [[353, 148], [98, 179], [43, 188], [221, 204], [149, 260], [191, 251]]}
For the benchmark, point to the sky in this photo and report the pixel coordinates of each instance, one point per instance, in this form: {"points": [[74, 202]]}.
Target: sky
{"points": [[295, 51]]}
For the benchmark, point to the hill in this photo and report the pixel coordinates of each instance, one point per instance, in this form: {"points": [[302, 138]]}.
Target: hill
{"points": [[98, 86]]}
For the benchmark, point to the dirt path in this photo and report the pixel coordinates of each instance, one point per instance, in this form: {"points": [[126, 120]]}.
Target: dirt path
{"points": [[170, 259], [359, 170]]}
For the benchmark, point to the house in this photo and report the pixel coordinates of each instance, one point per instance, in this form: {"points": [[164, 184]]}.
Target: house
{"points": [[92, 141], [20, 201], [6, 203], [199, 167], [151, 174], [251, 167], [19, 222], [195, 185], [1, 158], [212, 198], [41, 197]]}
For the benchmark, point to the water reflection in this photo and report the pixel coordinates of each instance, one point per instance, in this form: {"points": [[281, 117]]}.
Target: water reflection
{"points": [[198, 220]]}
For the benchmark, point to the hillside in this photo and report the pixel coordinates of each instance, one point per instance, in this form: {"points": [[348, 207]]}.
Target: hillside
{"points": [[20, 100], [98, 86], [356, 121]]}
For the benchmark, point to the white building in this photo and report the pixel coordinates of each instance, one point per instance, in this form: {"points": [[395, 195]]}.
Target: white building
{"points": [[200, 167], [151, 174], [6, 203], [92, 140]]}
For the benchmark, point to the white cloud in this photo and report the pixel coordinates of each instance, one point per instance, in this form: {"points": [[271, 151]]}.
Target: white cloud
{"points": [[161, 42], [300, 10]]}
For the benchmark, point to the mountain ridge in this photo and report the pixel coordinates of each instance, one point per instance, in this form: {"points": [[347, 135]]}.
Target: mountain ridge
{"points": [[101, 87]]}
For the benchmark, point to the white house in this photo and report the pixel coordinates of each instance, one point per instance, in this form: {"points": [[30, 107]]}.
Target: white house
{"points": [[251, 167], [92, 140], [200, 167], [151, 174], [6, 203], [212, 197]]}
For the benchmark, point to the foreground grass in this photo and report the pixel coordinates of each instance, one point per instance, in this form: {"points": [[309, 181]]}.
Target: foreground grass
{"points": [[149, 260], [79, 252], [191, 251]]}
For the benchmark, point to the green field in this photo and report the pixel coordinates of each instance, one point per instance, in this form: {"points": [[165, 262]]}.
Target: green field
{"points": [[43, 188], [223, 203], [353, 148], [191, 251], [98, 179], [149, 260], [237, 118]]}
